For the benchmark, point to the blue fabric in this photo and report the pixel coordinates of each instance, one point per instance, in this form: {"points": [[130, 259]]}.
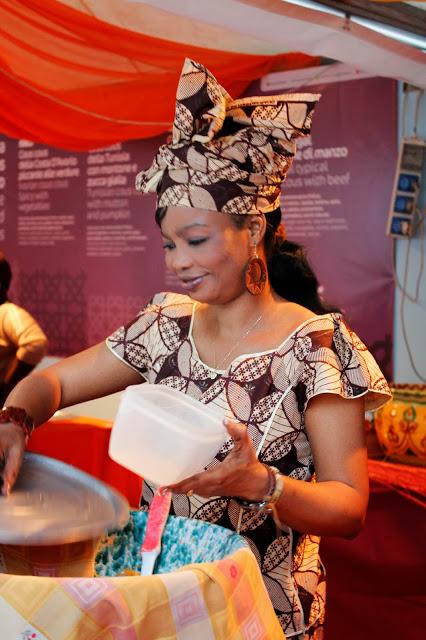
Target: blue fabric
{"points": [[184, 542]]}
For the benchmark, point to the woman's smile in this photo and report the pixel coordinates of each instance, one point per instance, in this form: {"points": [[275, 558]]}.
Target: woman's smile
{"points": [[189, 284]]}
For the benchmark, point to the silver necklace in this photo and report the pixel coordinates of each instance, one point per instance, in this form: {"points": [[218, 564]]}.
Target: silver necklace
{"points": [[219, 367]]}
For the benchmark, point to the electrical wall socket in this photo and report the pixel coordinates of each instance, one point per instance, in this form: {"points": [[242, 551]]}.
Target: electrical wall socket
{"points": [[406, 187]]}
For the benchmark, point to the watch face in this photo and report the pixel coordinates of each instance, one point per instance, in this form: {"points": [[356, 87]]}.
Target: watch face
{"points": [[262, 507]]}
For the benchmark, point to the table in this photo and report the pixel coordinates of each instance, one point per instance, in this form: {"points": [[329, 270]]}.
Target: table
{"points": [[84, 442], [376, 583]]}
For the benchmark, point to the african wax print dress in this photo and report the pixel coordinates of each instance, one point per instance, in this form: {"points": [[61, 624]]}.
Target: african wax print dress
{"points": [[269, 392]]}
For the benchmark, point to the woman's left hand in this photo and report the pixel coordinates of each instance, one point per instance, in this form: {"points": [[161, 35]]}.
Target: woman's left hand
{"points": [[240, 474]]}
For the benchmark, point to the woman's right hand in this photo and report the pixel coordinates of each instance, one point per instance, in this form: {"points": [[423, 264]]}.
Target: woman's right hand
{"points": [[93, 373], [12, 447]]}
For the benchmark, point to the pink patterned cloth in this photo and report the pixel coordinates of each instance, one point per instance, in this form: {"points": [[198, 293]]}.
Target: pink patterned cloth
{"points": [[209, 601], [227, 155]]}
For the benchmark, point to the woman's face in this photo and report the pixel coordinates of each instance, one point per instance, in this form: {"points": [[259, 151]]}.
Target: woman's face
{"points": [[207, 252]]}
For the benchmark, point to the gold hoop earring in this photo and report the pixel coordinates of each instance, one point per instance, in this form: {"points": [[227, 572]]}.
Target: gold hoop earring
{"points": [[255, 274]]}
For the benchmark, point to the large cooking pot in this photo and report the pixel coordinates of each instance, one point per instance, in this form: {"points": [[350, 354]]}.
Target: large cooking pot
{"points": [[54, 518]]}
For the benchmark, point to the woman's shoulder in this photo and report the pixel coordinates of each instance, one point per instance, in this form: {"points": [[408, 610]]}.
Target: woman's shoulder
{"points": [[163, 307], [312, 321], [321, 330], [169, 301], [298, 319], [304, 331], [167, 315], [298, 314]]}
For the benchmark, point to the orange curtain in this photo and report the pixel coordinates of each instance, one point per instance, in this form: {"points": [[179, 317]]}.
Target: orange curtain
{"points": [[72, 81]]}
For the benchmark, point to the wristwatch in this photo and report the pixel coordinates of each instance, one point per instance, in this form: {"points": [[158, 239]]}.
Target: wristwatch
{"points": [[275, 489]]}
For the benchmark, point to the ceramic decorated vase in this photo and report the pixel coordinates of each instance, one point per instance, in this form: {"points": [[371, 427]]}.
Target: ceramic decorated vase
{"points": [[401, 425]]}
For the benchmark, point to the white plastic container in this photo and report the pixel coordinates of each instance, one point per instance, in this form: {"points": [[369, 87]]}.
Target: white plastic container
{"points": [[164, 435]]}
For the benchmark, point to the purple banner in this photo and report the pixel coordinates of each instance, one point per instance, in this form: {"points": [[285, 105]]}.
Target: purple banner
{"points": [[83, 245], [86, 253]]}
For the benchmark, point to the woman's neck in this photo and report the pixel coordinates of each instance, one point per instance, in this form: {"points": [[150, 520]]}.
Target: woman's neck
{"points": [[226, 320]]}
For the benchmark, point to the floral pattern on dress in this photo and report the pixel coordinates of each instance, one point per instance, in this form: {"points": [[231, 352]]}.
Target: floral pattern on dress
{"points": [[269, 392]]}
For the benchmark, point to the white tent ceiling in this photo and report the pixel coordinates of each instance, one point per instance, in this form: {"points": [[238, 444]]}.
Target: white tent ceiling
{"points": [[264, 26]]}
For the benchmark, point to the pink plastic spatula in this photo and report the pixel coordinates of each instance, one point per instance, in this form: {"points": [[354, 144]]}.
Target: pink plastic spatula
{"points": [[157, 517]]}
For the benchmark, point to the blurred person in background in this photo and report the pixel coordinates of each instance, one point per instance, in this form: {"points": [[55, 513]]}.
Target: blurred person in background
{"points": [[22, 341]]}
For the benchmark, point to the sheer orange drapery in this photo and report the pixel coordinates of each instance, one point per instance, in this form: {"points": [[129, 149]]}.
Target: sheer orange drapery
{"points": [[72, 81]]}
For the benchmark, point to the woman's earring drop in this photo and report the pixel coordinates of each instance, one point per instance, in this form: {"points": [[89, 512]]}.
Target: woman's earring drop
{"points": [[255, 274]]}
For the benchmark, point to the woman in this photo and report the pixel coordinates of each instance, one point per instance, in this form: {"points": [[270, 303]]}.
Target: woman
{"points": [[251, 337]]}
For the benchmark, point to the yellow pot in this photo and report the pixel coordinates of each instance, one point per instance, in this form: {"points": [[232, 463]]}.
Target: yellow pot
{"points": [[401, 425]]}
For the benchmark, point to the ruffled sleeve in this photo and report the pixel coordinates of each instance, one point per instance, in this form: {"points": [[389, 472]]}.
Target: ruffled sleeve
{"points": [[131, 343], [156, 331], [336, 361]]}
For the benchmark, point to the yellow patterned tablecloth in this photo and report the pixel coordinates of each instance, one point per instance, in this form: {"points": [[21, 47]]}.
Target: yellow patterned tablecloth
{"points": [[223, 600]]}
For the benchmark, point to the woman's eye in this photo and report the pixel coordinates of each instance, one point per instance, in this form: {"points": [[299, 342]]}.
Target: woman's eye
{"points": [[168, 246], [196, 241]]}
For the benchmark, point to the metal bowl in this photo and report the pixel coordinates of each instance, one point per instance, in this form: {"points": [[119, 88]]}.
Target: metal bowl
{"points": [[55, 503]]}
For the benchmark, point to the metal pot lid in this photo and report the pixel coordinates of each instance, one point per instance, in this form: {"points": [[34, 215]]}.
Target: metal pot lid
{"points": [[55, 503]]}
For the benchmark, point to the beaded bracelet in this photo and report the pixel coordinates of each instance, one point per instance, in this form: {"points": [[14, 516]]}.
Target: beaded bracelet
{"points": [[20, 417], [275, 489]]}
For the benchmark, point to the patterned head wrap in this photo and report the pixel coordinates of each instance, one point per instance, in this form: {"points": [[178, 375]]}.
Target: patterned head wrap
{"points": [[226, 155]]}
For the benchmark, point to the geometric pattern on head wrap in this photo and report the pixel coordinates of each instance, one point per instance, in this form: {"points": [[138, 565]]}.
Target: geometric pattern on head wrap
{"points": [[226, 155]]}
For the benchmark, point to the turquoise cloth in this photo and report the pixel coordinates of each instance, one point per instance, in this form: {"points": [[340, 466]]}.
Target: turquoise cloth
{"points": [[184, 541]]}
